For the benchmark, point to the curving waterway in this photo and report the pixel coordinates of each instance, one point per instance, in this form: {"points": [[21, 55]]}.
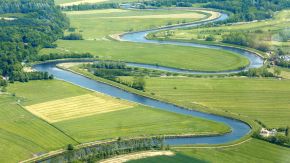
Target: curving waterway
{"points": [[140, 37], [238, 128]]}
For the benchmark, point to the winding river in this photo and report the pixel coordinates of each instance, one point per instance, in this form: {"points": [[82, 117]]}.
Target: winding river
{"points": [[238, 128]]}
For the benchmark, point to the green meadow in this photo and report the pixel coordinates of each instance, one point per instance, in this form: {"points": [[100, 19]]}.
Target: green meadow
{"points": [[252, 151], [96, 25], [24, 134], [266, 100], [134, 122]]}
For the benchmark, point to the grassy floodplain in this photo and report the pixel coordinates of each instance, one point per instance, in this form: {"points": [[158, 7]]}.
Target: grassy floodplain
{"points": [[266, 100], [252, 151], [96, 25], [20, 129], [266, 31]]}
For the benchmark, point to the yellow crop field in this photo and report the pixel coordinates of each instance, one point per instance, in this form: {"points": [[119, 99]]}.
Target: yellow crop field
{"points": [[76, 107]]}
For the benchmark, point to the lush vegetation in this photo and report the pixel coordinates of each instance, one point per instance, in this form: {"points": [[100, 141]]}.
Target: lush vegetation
{"points": [[73, 36], [26, 76], [82, 7], [242, 10], [281, 138], [112, 70], [110, 149], [37, 24], [118, 21], [251, 151], [259, 99], [258, 72], [270, 36], [199, 59], [54, 56], [113, 124], [20, 135], [125, 123]]}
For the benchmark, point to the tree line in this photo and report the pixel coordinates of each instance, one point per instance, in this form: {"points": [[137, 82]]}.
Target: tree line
{"points": [[82, 7], [54, 56], [37, 24], [109, 149]]}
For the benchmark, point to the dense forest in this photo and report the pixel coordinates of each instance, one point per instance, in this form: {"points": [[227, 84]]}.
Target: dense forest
{"points": [[36, 24]]}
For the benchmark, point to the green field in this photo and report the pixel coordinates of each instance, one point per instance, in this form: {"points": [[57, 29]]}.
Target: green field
{"points": [[269, 32], [35, 92], [137, 121], [266, 100], [22, 135], [97, 24], [252, 152], [20, 130]]}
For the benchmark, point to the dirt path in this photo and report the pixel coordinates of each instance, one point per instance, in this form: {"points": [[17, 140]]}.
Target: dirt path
{"points": [[136, 156]]}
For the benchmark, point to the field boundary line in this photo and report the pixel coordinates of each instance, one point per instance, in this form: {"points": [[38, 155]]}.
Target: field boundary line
{"points": [[49, 124]]}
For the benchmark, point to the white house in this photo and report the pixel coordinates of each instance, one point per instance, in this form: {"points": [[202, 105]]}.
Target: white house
{"points": [[266, 133]]}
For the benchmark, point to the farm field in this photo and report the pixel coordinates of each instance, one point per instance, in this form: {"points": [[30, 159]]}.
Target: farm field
{"points": [[92, 24], [266, 100], [134, 122], [117, 120], [251, 151], [76, 107], [20, 135], [96, 24], [272, 32]]}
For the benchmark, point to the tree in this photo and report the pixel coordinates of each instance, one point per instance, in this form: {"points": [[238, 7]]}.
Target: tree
{"points": [[73, 36], [139, 83], [210, 38], [70, 147]]}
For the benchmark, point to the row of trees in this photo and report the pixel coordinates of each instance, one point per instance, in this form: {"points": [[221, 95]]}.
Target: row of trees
{"points": [[259, 72], [26, 76], [106, 150], [37, 24], [53, 56], [90, 6]]}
